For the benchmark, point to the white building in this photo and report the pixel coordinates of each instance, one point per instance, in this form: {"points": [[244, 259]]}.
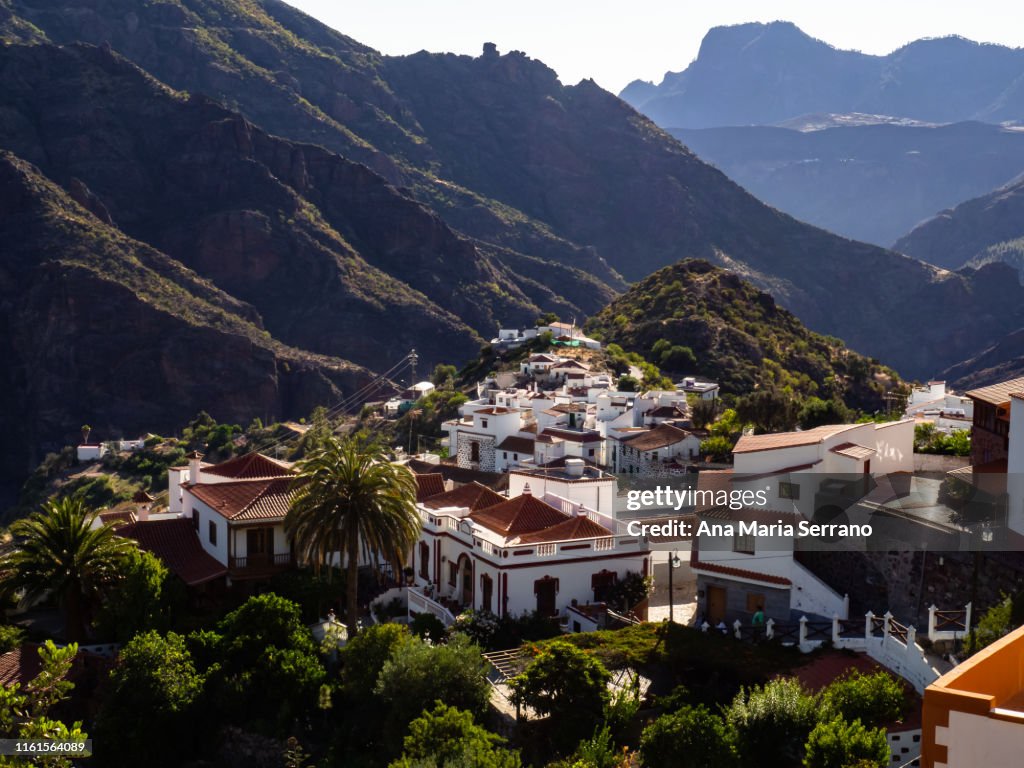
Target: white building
{"points": [[661, 450], [514, 556], [706, 390], [934, 403]]}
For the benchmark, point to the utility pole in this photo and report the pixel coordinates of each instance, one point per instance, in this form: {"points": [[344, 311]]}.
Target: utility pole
{"points": [[413, 359]]}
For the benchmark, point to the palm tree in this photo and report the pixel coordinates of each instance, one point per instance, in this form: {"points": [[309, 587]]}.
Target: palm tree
{"points": [[57, 551], [350, 499]]}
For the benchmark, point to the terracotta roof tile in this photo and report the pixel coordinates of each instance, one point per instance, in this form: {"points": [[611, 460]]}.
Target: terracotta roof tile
{"points": [[577, 527], [249, 466], [997, 394], [573, 436], [523, 514], [749, 443], [247, 499], [461, 476], [471, 496], [741, 573], [666, 412], [660, 436], [429, 484], [117, 516], [22, 665], [175, 542], [854, 451]]}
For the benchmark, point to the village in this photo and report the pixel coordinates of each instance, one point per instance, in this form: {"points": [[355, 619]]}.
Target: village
{"points": [[557, 495]]}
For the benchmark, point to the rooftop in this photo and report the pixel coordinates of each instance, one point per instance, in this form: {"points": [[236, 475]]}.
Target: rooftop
{"points": [[751, 443], [247, 499], [517, 445], [175, 542], [997, 394], [429, 484], [250, 466], [660, 436], [471, 496], [523, 514]]}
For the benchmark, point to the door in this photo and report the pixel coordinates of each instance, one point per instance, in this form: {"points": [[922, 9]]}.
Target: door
{"points": [[259, 546], [486, 588], [546, 589], [716, 605]]}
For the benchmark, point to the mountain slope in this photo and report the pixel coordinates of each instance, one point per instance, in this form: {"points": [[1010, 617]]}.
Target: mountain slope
{"points": [[98, 328], [756, 74], [739, 336], [866, 182], [983, 229]]}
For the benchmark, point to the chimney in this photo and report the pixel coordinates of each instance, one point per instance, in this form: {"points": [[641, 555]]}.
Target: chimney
{"points": [[574, 467], [195, 460], [526, 490]]}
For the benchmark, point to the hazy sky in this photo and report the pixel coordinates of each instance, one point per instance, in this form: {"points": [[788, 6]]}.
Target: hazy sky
{"points": [[615, 42]]}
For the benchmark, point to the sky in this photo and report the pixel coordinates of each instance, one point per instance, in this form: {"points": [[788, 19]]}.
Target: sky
{"points": [[617, 42]]}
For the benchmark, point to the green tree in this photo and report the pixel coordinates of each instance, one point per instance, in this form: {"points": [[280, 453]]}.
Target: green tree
{"points": [[835, 742], [599, 751], [566, 683], [703, 412], [692, 737], [25, 713], [817, 412], [57, 550], [139, 601], [418, 674], [350, 499], [768, 410], [447, 735], [627, 383], [267, 670], [149, 711], [443, 376], [678, 358], [365, 655], [873, 699], [716, 448], [1006, 615], [774, 719], [11, 637]]}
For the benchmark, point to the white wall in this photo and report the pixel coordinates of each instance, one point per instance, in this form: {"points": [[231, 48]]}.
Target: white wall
{"points": [[596, 495], [219, 551], [973, 740], [894, 447]]}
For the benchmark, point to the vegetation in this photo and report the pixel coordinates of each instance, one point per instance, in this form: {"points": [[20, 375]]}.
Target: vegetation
{"points": [[928, 439], [875, 699], [449, 736], [775, 718], [838, 742], [351, 499], [1001, 618], [692, 737], [59, 551], [141, 600], [693, 318]]}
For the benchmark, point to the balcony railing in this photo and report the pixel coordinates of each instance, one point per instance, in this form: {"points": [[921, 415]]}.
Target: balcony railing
{"points": [[260, 562]]}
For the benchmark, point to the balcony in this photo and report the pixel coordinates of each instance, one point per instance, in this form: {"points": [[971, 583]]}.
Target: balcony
{"points": [[259, 566]]}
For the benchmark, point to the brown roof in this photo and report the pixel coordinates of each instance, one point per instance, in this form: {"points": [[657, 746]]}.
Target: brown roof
{"points": [[247, 499], [141, 497], [175, 542], [542, 358], [750, 443], [559, 463], [517, 445], [22, 665], [249, 466], [497, 410], [712, 480], [523, 514], [997, 394], [572, 364], [573, 436], [471, 496], [660, 436], [741, 573], [576, 527], [666, 412], [429, 484], [496, 481], [117, 516], [854, 451]]}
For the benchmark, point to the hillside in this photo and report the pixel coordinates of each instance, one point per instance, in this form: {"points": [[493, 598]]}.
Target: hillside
{"points": [[559, 188], [739, 337], [102, 328], [758, 74], [983, 230], [870, 182]]}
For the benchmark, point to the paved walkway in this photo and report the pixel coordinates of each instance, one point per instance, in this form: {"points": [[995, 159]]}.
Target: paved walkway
{"points": [[684, 591]]}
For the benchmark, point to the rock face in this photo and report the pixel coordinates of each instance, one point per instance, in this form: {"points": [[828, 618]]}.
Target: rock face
{"points": [[759, 74], [103, 328]]}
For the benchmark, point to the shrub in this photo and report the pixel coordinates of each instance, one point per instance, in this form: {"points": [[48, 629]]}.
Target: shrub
{"points": [[772, 719], [873, 699], [447, 736], [693, 737], [839, 743]]}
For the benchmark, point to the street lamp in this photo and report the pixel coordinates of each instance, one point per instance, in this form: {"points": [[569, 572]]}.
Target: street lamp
{"points": [[673, 563]]}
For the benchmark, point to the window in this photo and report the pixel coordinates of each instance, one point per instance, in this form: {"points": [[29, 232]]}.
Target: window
{"points": [[789, 490], [453, 573], [474, 451], [483, 423], [213, 532], [504, 455], [424, 560], [743, 543], [754, 601], [195, 519], [591, 451]]}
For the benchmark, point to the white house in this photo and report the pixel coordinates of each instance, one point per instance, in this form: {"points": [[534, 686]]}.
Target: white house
{"points": [[934, 403], [706, 390], [518, 555], [660, 450]]}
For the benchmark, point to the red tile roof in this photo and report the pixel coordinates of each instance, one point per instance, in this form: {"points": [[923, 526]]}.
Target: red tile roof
{"points": [[576, 527], [660, 436], [666, 412], [248, 467], [997, 394], [573, 436], [523, 514], [22, 665], [247, 499], [175, 542], [470, 496], [750, 443], [117, 516], [854, 451], [429, 484], [740, 573]]}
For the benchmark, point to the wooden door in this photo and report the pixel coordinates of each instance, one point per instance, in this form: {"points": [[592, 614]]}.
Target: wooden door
{"points": [[546, 589], [259, 545], [716, 605], [486, 588]]}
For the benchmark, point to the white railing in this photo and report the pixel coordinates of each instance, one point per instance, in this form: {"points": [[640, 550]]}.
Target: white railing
{"points": [[420, 603]]}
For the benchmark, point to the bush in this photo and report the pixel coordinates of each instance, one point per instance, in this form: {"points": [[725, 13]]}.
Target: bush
{"points": [[693, 737], [873, 699], [365, 655], [448, 736], [427, 626], [772, 719], [838, 743], [716, 448], [139, 602], [565, 683]]}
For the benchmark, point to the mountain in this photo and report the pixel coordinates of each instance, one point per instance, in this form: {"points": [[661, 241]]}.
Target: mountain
{"points": [[758, 74], [867, 179], [1001, 361], [739, 336], [100, 327], [986, 229]]}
